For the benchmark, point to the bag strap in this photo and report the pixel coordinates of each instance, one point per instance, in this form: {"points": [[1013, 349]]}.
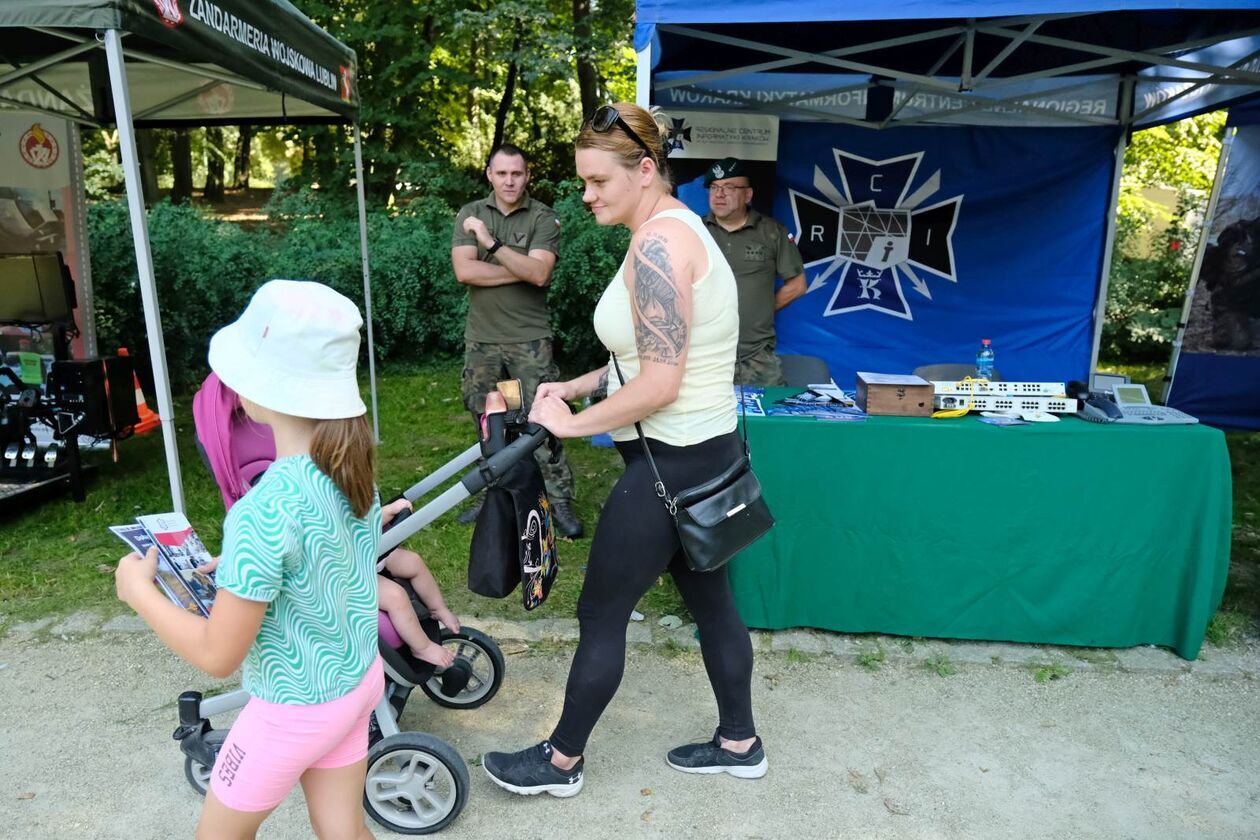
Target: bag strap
{"points": [[671, 502]]}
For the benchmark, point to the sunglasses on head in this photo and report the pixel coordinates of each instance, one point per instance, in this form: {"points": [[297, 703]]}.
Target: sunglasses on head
{"points": [[606, 116]]}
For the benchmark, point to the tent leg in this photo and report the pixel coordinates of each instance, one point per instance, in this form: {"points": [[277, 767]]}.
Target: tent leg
{"points": [[1113, 207], [367, 278], [643, 77], [1209, 218], [144, 259]]}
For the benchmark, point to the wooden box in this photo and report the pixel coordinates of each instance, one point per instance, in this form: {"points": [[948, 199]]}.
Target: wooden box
{"points": [[894, 394]]}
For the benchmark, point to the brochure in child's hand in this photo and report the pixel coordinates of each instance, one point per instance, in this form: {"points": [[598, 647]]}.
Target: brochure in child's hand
{"points": [[181, 555]]}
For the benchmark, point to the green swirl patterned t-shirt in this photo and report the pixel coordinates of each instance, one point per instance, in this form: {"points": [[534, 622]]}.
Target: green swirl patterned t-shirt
{"points": [[293, 542]]}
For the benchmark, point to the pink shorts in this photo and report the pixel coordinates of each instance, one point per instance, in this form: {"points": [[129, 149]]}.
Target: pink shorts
{"points": [[271, 745]]}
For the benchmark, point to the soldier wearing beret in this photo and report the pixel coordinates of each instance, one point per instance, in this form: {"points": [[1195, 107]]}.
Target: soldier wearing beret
{"points": [[759, 249]]}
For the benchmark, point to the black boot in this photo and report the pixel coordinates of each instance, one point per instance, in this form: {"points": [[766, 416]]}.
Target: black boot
{"points": [[567, 523]]}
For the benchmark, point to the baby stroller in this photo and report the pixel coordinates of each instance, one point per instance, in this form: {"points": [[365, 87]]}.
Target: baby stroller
{"points": [[416, 783]]}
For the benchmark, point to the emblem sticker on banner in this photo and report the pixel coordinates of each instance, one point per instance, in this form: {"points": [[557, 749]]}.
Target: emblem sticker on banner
{"points": [[874, 235], [218, 100], [169, 10], [39, 147], [346, 86], [713, 135]]}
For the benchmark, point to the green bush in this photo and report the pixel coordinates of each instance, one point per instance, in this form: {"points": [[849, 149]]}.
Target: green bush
{"points": [[207, 269], [204, 272], [1147, 289], [589, 256]]}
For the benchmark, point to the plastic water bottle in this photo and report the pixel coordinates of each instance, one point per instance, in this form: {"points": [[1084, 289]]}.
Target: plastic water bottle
{"points": [[984, 359]]}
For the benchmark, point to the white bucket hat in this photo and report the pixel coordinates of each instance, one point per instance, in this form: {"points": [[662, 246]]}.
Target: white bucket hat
{"points": [[293, 350]]}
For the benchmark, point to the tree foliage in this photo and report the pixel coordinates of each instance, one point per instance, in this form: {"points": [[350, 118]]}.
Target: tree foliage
{"points": [[434, 81], [1155, 244]]}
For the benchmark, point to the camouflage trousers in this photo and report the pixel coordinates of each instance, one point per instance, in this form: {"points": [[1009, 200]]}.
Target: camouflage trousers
{"points": [[532, 363], [759, 368]]}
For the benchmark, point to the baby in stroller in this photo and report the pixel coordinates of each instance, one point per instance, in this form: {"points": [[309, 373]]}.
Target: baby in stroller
{"points": [[238, 451]]}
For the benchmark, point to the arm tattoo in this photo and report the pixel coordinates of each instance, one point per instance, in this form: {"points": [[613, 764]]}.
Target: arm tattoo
{"points": [[660, 330], [602, 385]]}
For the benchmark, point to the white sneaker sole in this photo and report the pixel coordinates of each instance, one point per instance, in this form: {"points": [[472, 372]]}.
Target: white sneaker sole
{"points": [[752, 771], [561, 791]]}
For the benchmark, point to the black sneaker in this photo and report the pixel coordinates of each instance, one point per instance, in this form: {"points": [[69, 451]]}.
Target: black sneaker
{"points": [[567, 523], [469, 516], [531, 772], [709, 757]]}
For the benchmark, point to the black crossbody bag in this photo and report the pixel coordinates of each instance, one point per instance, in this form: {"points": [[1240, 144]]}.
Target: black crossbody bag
{"points": [[719, 518]]}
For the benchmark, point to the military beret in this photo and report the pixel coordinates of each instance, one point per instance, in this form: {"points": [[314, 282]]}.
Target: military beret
{"points": [[725, 168]]}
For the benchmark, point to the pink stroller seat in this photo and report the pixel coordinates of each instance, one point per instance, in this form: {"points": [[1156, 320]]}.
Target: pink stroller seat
{"points": [[238, 451]]}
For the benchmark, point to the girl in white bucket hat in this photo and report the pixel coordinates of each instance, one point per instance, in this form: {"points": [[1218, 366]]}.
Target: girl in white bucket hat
{"points": [[297, 602]]}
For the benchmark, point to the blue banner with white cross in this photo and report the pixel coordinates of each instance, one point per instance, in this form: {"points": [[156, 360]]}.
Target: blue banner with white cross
{"points": [[919, 242]]}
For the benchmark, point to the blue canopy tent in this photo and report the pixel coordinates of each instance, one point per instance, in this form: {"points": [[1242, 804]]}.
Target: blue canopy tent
{"points": [[983, 203]]}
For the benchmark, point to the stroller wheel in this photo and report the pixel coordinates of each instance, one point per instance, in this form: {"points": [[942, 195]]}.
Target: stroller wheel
{"points": [[198, 774], [416, 783], [476, 674]]}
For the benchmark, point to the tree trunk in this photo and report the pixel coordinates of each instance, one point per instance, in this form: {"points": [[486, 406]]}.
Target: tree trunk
{"points": [[146, 150], [213, 190], [587, 79], [509, 89], [240, 164], [181, 165], [470, 102]]}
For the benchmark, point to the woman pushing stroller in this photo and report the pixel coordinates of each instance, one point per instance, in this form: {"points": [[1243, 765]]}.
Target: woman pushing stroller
{"points": [[669, 317], [297, 602]]}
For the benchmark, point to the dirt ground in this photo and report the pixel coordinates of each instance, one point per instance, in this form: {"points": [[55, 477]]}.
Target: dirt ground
{"points": [[987, 752]]}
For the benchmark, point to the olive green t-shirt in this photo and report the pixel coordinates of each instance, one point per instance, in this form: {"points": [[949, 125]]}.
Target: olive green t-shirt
{"points": [[517, 312], [758, 252]]}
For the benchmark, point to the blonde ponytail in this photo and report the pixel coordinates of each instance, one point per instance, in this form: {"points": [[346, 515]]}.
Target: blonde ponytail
{"points": [[345, 452]]}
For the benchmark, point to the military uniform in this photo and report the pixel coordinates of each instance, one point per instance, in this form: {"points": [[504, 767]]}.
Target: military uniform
{"points": [[757, 252], [508, 332]]}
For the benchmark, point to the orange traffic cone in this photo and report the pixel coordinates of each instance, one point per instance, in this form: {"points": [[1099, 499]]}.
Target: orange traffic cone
{"points": [[149, 419]]}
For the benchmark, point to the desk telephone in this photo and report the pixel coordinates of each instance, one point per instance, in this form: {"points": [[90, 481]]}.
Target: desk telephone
{"points": [[1128, 404]]}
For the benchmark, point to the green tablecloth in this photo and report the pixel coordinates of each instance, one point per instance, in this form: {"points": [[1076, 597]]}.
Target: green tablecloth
{"points": [[1061, 533]]}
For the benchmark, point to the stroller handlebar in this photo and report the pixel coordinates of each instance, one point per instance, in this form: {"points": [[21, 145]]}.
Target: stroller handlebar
{"points": [[489, 470], [493, 467]]}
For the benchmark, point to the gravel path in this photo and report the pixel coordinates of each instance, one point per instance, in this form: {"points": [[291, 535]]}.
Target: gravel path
{"points": [[898, 752]]}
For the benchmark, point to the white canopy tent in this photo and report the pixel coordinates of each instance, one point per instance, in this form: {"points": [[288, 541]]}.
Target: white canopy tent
{"points": [[145, 63]]}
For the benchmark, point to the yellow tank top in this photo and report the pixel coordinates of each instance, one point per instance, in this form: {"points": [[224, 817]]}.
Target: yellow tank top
{"points": [[705, 407]]}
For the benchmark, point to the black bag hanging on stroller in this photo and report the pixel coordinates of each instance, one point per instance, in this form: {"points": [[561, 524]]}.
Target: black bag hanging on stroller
{"points": [[514, 541]]}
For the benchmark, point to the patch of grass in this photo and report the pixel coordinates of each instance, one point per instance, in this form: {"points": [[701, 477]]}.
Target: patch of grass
{"points": [[797, 657], [1048, 671], [674, 649], [907, 645], [551, 647], [50, 551], [939, 664], [871, 660], [1227, 627]]}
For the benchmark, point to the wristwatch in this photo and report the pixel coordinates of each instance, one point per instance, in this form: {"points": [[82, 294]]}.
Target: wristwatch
{"points": [[496, 246]]}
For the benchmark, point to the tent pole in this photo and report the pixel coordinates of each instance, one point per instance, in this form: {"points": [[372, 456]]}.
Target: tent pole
{"points": [[367, 278], [1227, 143], [144, 259], [1113, 206], [643, 77]]}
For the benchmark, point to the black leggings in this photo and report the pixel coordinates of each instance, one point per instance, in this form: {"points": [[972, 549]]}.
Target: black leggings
{"points": [[635, 542]]}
